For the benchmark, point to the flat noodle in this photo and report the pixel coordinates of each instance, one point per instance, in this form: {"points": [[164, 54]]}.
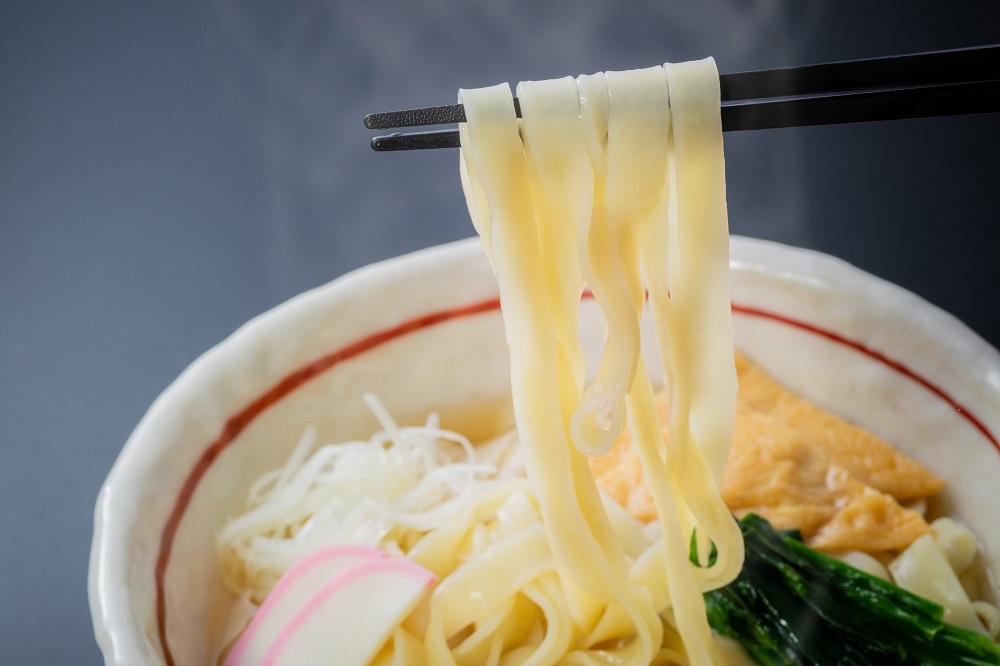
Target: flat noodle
{"points": [[633, 174], [686, 264], [588, 556], [625, 168], [700, 315], [559, 168]]}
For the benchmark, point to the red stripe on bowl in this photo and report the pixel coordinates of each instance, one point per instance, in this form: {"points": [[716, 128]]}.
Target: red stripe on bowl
{"points": [[236, 423], [878, 356]]}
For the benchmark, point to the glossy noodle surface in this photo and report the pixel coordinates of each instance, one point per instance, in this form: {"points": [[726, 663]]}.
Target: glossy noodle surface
{"points": [[615, 182]]}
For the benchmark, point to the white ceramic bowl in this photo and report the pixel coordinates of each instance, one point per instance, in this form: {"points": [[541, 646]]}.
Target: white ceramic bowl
{"points": [[424, 333]]}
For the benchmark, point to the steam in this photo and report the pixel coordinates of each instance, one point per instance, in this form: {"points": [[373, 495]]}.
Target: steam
{"points": [[303, 74]]}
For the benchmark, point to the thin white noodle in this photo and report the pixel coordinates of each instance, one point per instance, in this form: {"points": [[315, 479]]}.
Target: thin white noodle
{"points": [[386, 491]]}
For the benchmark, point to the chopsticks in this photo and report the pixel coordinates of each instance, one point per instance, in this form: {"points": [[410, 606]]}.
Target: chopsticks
{"points": [[917, 85]]}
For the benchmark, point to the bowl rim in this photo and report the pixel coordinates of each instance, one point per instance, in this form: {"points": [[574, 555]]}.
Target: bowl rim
{"points": [[122, 640]]}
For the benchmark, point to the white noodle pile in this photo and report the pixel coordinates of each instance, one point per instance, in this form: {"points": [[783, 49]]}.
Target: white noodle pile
{"points": [[386, 491]]}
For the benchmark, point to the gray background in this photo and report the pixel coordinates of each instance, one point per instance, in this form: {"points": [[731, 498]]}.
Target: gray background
{"points": [[168, 170]]}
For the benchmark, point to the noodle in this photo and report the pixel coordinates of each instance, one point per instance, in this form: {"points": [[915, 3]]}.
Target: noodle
{"points": [[654, 226], [610, 182], [588, 557]]}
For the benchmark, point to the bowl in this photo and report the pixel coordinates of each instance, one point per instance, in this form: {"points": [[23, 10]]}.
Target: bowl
{"points": [[423, 332]]}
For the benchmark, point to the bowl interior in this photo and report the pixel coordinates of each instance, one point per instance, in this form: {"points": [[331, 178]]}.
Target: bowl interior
{"points": [[424, 333]]}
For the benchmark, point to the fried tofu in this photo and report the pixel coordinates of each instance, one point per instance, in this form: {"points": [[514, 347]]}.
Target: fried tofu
{"points": [[800, 467]]}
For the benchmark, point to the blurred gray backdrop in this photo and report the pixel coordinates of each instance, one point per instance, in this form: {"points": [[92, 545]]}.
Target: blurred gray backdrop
{"points": [[169, 170]]}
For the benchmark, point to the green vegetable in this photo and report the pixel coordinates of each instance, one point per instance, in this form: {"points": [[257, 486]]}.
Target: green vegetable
{"points": [[713, 552], [793, 605]]}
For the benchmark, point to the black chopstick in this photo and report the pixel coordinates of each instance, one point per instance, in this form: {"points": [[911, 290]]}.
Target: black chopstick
{"points": [[898, 104], [919, 85]]}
